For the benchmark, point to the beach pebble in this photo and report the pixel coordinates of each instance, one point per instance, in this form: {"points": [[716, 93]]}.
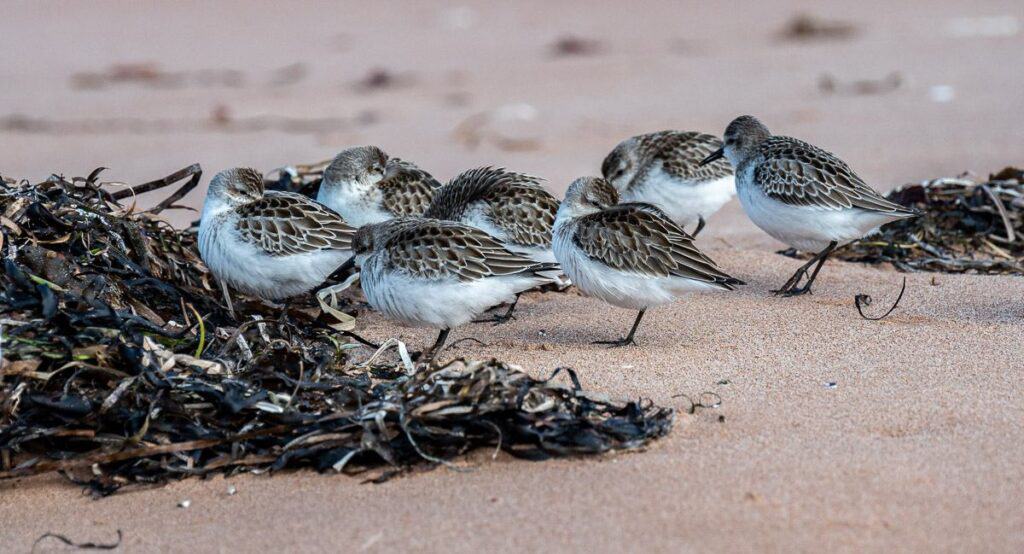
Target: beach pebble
{"points": [[941, 94]]}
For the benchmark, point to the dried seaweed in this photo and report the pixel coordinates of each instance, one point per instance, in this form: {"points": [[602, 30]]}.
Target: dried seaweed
{"points": [[220, 121], [79, 545], [829, 84], [805, 27], [301, 178], [964, 226], [121, 366], [380, 78], [571, 45], [861, 301]]}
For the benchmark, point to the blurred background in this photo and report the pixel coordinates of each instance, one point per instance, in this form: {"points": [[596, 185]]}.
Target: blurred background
{"points": [[903, 91]]}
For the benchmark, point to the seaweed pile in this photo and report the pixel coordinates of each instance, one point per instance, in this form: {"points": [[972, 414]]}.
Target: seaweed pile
{"points": [[964, 226], [301, 178], [121, 366]]}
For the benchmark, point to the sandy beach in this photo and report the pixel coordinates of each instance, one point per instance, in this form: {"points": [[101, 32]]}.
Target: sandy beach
{"points": [[839, 434]]}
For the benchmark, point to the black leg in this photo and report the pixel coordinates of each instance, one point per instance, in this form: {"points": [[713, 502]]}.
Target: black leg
{"points": [[507, 316], [360, 340], [503, 318], [791, 288], [428, 356], [321, 323], [700, 225], [629, 337]]}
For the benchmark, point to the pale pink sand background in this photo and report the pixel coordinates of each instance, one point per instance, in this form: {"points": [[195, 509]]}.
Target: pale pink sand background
{"points": [[918, 447]]}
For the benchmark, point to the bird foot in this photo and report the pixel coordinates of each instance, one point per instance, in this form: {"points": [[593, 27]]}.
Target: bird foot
{"points": [[626, 341], [792, 291], [496, 320]]}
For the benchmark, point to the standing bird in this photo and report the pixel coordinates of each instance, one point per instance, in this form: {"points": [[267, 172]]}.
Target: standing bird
{"points": [[511, 207], [268, 244], [440, 274], [630, 255], [801, 195], [664, 169], [365, 186]]}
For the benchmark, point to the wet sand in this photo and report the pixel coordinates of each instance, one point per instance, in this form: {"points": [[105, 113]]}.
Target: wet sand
{"points": [[917, 446]]}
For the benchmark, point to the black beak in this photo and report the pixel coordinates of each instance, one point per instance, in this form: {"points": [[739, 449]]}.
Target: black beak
{"points": [[347, 266], [716, 155], [343, 270]]}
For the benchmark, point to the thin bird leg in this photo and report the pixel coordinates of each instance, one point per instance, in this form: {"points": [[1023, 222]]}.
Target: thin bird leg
{"points": [[700, 225], [801, 272], [503, 318], [629, 338], [821, 261], [795, 279], [428, 356], [227, 299]]}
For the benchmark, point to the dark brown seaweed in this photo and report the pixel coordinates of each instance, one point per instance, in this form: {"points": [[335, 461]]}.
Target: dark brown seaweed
{"points": [[122, 366]]}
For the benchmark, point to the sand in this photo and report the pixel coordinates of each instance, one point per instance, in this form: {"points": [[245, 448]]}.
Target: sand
{"points": [[917, 446]]}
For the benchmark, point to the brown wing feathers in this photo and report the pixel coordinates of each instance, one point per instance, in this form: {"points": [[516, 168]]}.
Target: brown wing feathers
{"points": [[438, 249], [801, 174], [640, 239], [284, 223]]}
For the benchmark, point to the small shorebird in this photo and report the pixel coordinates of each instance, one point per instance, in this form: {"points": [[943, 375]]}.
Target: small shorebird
{"points": [[268, 244], [439, 274], [801, 195], [511, 207], [630, 255], [365, 186], [664, 169]]}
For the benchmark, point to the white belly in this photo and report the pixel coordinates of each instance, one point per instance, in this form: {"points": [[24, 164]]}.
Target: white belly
{"points": [[624, 289], [683, 202], [805, 228], [252, 271], [440, 304]]}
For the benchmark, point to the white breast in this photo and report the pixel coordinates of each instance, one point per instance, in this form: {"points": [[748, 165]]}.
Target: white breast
{"points": [[683, 201], [355, 203]]}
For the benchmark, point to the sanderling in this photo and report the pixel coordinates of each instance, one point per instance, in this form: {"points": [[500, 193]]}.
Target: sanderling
{"points": [[439, 274], [512, 207], [268, 244], [365, 186], [801, 195], [630, 255], [663, 169]]}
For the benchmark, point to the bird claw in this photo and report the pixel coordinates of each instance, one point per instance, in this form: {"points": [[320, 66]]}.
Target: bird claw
{"points": [[502, 319], [617, 343]]}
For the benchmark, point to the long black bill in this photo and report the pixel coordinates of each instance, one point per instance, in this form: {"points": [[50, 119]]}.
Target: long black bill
{"points": [[717, 154]]}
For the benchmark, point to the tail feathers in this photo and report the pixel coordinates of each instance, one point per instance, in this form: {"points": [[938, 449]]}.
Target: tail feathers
{"points": [[729, 283], [552, 269]]}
